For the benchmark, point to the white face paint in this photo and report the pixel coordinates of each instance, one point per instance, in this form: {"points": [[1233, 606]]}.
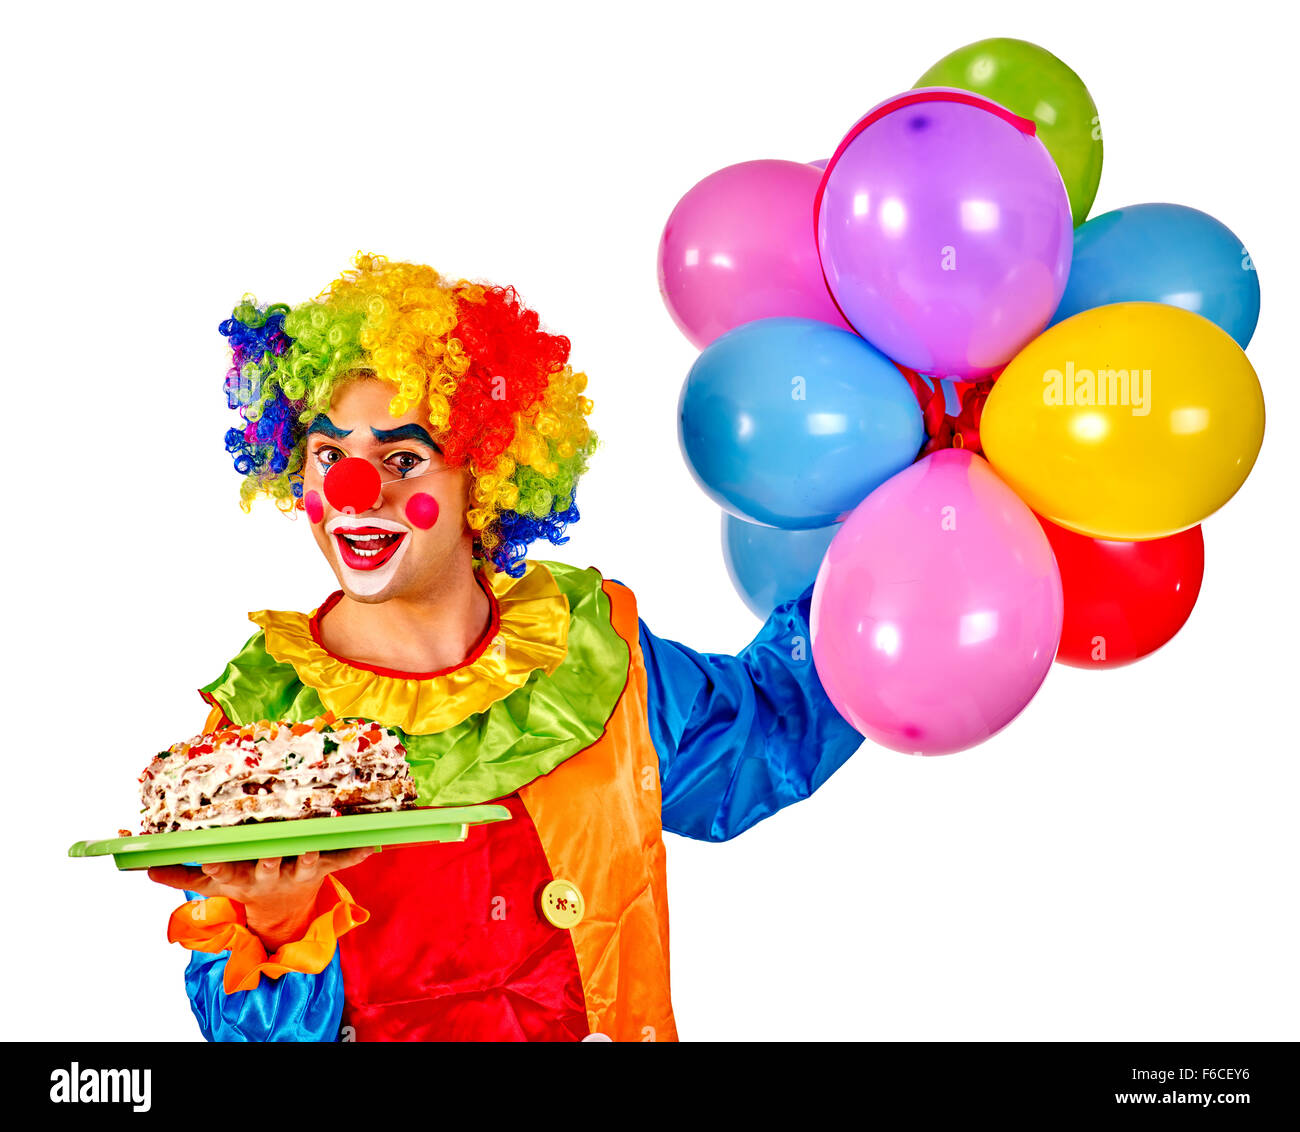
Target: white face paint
{"points": [[361, 581]]}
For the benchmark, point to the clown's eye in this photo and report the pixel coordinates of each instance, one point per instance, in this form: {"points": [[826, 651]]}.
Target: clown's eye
{"points": [[405, 462], [327, 455]]}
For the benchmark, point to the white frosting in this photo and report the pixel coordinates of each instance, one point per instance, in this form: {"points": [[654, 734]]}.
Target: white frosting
{"points": [[263, 771]]}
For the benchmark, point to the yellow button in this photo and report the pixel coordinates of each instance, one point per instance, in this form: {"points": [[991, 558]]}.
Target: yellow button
{"points": [[562, 904]]}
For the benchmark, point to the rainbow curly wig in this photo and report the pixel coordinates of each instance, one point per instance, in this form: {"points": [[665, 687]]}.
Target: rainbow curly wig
{"points": [[502, 399]]}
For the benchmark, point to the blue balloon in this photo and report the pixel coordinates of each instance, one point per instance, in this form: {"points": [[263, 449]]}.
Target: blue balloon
{"points": [[768, 565], [793, 422], [1163, 253]]}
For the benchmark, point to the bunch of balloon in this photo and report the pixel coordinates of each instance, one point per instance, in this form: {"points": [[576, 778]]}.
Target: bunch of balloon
{"points": [[984, 427]]}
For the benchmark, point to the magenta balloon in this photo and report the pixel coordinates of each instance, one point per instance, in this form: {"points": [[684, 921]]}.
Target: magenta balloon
{"points": [[740, 246], [945, 232], [937, 609]]}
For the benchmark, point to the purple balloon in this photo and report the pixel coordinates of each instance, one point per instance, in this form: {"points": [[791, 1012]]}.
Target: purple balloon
{"points": [[944, 231], [937, 609]]}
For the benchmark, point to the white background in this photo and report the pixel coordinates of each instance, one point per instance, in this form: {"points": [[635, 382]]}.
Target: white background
{"points": [[1118, 864]]}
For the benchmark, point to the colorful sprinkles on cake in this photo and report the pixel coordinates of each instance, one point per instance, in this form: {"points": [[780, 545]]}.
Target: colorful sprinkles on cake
{"points": [[273, 771]]}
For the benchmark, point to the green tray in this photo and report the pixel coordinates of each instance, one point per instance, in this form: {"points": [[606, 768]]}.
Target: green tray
{"points": [[289, 838]]}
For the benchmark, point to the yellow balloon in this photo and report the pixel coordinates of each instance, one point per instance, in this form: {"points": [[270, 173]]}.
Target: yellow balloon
{"points": [[1132, 421]]}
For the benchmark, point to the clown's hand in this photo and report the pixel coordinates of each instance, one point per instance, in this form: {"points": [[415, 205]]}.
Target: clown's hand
{"points": [[277, 895]]}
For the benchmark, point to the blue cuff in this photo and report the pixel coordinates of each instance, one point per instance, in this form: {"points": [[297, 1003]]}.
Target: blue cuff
{"points": [[296, 1007]]}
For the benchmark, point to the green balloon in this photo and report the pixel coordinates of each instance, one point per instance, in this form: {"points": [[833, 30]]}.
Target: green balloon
{"points": [[1035, 84]]}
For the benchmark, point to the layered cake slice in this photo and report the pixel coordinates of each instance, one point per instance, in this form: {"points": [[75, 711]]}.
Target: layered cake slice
{"points": [[269, 771]]}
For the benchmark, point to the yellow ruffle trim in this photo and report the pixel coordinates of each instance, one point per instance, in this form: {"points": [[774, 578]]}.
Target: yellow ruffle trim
{"points": [[533, 633]]}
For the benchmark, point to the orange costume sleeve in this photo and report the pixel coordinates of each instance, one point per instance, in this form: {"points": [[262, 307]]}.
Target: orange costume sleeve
{"points": [[216, 719], [217, 924]]}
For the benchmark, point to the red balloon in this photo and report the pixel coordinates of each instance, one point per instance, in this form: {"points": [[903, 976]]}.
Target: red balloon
{"points": [[1123, 600]]}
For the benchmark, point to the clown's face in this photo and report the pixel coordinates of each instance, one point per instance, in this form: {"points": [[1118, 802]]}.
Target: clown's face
{"points": [[397, 541]]}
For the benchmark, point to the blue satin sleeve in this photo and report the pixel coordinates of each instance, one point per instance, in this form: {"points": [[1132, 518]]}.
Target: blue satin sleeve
{"points": [[739, 737], [296, 1007]]}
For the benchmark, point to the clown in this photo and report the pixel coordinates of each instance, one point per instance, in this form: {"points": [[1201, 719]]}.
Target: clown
{"points": [[430, 432]]}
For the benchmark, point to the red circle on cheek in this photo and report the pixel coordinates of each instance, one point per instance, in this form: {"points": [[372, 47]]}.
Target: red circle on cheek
{"points": [[315, 508], [422, 510]]}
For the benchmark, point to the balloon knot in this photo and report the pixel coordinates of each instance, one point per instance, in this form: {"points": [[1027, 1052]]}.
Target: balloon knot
{"points": [[944, 429]]}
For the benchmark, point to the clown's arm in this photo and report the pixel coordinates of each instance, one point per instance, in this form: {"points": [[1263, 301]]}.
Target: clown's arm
{"points": [[739, 737], [296, 1007]]}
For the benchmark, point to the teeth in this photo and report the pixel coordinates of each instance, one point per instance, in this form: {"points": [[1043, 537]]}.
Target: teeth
{"points": [[354, 540]]}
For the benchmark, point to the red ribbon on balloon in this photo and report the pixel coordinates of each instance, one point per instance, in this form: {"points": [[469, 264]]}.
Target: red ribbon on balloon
{"points": [[944, 429]]}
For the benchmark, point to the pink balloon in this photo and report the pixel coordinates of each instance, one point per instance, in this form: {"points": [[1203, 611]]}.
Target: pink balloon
{"points": [[739, 246], [937, 609]]}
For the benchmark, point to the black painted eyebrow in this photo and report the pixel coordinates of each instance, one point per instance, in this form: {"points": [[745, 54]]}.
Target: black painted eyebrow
{"points": [[324, 425], [404, 432]]}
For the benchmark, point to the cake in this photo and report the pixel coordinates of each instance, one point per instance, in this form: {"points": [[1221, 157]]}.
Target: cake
{"points": [[273, 771]]}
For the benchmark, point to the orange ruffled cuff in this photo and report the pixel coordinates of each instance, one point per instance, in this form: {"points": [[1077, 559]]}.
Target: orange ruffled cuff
{"points": [[217, 924]]}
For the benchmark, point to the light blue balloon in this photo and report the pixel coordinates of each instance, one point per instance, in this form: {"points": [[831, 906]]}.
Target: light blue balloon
{"points": [[768, 565], [793, 422], [1163, 253]]}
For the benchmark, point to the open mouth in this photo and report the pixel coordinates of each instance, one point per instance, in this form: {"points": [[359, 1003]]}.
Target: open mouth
{"points": [[367, 548]]}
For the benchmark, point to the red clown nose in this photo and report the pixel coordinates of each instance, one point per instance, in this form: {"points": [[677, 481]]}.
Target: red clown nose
{"points": [[352, 485]]}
